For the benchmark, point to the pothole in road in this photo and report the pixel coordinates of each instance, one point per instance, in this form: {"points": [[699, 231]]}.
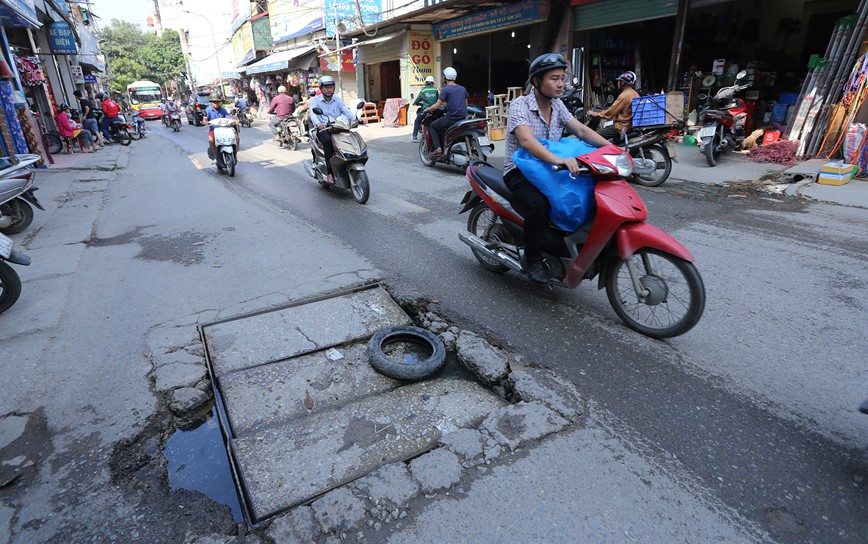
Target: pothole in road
{"points": [[185, 248]]}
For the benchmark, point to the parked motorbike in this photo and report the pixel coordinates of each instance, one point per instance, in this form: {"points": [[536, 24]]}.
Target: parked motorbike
{"points": [[174, 117], [723, 125], [572, 99], [652, 153], [16, 193], [138, 131], [463, 142], [348, 161], [226, 144], [10, 283], [649, 277], [290, 133]]}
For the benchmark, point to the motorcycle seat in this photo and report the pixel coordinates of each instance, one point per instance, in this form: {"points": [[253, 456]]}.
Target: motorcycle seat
{"points": [[493, 178], [462, 123]]}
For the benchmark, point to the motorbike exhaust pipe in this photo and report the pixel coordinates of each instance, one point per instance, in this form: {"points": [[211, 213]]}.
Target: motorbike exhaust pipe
{"points": [[478, 244], [309, 169]]}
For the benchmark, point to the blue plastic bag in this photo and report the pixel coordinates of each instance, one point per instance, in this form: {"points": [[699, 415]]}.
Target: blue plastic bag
{"points": [[571, 197]]}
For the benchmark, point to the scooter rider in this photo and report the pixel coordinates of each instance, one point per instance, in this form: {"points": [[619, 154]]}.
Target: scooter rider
{"points": [[164, 110], [427, 96], [332, 107], [621, 110], [282, 106], [455, 96], [540, 116], [216, 111], [110, 110]]}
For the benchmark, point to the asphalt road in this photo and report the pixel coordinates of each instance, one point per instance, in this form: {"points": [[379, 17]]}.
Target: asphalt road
{"points": [[757, 403]]}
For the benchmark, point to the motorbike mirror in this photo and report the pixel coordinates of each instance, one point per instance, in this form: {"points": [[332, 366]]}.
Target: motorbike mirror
{"points": [[361, 105], [317, 111], [575, 81], [740, 75]]}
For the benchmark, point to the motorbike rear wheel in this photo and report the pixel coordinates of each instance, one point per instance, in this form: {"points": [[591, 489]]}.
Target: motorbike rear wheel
{"points": [[711, 153], [21, 210], [123, 137], [676, 295], [10, 286], [424, 154], [359, 185], [483, 223], [662, 165], [176, 125]]}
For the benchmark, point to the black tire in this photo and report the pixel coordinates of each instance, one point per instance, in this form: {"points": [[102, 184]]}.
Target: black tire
{"points": [[176, 125], [23, 219], [123, 137], [673, 309], [475, 149], [662, 168], [293, 142], [55, 146], [135, 134], [10, 287], [710, 151], [424, 154], [359, 185], [483, 223], [409, 368], [229, 162]]}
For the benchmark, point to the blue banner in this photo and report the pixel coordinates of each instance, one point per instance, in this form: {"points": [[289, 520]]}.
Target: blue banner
{"points": [[18, 13], [345, 14], [508, 16], [61, 40]]}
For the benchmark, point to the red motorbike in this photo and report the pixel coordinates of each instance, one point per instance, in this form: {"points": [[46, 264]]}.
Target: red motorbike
{"points": [[649, 276], [723, 126], [465, 141]]}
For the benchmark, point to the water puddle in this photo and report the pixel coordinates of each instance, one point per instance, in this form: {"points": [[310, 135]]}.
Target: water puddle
{"points": [[407, 350], [197, 460]]}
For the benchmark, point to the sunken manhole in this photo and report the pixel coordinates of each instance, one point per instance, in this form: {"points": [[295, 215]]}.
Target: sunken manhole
{"points": [[305, 411]]}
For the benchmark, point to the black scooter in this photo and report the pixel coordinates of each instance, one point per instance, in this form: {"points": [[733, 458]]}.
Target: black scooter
{"points": [[463, 142]]}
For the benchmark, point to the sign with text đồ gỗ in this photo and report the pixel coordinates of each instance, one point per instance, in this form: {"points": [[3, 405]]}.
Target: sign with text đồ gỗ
{"points": [[508, 16]]}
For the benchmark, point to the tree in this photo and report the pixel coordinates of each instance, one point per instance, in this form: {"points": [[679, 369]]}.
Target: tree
{"points": [[133, 55]]}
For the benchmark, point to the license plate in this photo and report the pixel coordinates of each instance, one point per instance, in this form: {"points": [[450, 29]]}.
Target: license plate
{"points": [[5, 246], [671, 150], [483, 140], [707, 132]]}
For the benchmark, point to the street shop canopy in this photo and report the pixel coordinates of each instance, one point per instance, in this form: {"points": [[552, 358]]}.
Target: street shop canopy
{"points": [[297, 58]]}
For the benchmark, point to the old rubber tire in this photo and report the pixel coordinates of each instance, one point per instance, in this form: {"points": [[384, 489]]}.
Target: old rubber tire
{"points": [[400, 370], [424, 154], [359, 185], [10, 286], [25, 217]]}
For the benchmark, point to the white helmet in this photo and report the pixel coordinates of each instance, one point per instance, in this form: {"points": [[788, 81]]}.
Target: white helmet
{"points": [[326, 80], [429, 79], [450, 74], [281, 89]]}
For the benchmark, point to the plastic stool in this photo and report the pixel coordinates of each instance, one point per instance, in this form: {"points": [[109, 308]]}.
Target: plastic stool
{"points": [[369, 113]]}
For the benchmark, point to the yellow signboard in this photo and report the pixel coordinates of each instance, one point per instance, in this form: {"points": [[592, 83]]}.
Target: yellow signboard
{"points": [[421, 53]]}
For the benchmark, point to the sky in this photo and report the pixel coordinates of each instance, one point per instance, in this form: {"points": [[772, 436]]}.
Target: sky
{"points": [[201, 42]]}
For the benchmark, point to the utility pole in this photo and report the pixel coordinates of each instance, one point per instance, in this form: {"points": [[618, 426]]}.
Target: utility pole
{"points": [[339, 52]]}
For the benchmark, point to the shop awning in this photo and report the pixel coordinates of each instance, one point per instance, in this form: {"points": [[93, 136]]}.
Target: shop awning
{"points": [[284, 60], [17, 13]]}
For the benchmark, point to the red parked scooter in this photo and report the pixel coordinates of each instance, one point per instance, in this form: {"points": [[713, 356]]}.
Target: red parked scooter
{"points": [[649, 276], [723, 127], [465, 141]]}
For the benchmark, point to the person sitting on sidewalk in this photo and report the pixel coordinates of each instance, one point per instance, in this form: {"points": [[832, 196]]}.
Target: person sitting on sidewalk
{"points": [[282, 106], [621, 110], [69, 132]]}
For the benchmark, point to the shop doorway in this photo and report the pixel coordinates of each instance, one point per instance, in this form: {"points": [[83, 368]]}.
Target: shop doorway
{"points": [[390, 79], [492, 62]]}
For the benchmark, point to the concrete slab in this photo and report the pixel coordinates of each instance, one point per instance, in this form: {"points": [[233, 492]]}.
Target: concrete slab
{"points": [[272, 336], [854, 193], [286, 465]]}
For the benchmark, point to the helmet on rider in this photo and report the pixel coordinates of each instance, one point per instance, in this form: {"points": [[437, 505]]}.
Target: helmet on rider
{"points": [[326, 80], [99, 96], [216, 97], [63, 106], [450, 74], [543, 64], [281, 89], [162, 100], [627, 77], [429, 80]]}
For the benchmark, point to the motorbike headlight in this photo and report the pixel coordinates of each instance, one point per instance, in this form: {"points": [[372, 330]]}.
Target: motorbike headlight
{"points": [[620, 164]]}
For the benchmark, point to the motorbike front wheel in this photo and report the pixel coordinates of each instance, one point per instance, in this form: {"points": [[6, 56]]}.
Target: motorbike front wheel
{"points": [[229, 163], [359, 185], [176, 125], [424, 154], [711, 152], [23, 216], [123, 137], [675, 298], [10, 286], [483, 223], [662, 165]]}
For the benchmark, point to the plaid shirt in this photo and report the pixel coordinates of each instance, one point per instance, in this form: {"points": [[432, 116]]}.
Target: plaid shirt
{"points": [[525, 111]]}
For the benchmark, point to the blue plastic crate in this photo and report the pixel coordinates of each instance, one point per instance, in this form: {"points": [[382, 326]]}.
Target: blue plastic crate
{"points": [[649, 110], [779, 112]]}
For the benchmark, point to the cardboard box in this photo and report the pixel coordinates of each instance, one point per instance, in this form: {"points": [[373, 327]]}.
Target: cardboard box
{"points": [[833, 179], [836, 173], [675, 106]]}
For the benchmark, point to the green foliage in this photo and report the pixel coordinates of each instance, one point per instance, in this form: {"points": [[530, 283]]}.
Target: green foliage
{"points": [[133, 55]]}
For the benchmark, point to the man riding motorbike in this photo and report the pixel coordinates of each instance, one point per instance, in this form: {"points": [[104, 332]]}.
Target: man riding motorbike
{"points": [[427, 96], [216, 111], [332, 107], [621, 110], [282, 106], [110, 110], [540, 116], [164, 111], [455, 97], [241, 106]]}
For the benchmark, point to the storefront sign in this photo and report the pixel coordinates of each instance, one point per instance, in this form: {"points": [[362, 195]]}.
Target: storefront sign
{"points": [[240, 13], [242, 45], [512, 15], [291, 18], [329, 62], [77, 74], [344, 13], [421, 54], [89, 78], [61, 40], [19, 13]]}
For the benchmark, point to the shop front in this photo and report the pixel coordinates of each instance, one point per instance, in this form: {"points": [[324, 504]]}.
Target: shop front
{"points": [[294, 68]]}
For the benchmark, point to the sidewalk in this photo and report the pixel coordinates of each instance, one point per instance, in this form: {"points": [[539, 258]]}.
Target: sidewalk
{"points": [[111, 157]]}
